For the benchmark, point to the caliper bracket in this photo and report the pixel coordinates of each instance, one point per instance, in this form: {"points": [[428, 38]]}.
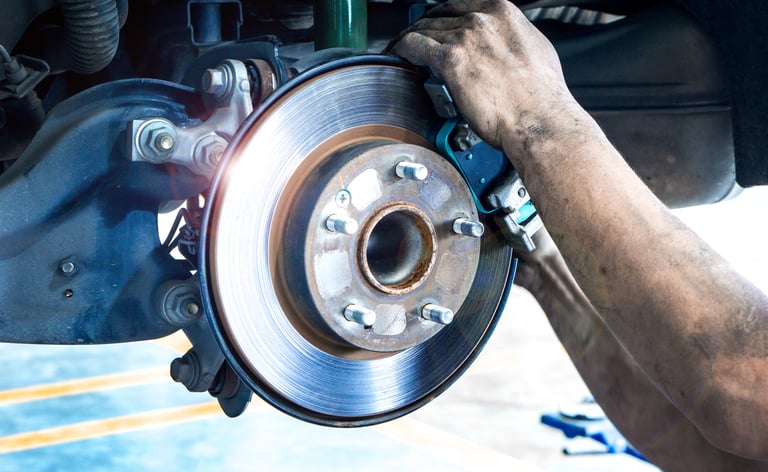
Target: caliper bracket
{"points": [[495, 186]]}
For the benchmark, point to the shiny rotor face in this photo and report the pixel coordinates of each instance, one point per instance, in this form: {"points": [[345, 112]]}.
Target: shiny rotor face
{"points": [[347, 275]]}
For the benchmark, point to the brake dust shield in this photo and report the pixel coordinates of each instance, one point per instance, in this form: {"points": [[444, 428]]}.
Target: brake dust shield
{"points": [[334, 278]]}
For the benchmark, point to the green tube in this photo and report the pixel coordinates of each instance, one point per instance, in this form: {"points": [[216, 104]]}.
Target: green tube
{"points": [[341, 24]]}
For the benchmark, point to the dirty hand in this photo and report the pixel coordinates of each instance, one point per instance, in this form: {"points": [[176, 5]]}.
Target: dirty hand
{"points": [[503, 73]]}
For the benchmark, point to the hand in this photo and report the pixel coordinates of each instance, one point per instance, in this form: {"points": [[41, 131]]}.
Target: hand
{"points": [[503, 73]]}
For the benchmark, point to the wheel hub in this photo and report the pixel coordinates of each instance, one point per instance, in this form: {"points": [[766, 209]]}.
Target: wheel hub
{"points": [[360, 235]]}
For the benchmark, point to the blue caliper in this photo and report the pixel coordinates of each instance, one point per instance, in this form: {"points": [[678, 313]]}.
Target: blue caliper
{"points": [[495, 185]]}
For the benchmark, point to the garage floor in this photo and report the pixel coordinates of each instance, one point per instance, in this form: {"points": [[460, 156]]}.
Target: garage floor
{"points": [[114, 408]]}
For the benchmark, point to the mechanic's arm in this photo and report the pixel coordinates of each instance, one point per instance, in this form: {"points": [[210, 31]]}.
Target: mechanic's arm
{"points": [[695, 326], [653, 425]]}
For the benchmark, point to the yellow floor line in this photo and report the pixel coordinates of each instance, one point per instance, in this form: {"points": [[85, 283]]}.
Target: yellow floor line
{"points": [[83, 385], [451, 448], [106, 427]]}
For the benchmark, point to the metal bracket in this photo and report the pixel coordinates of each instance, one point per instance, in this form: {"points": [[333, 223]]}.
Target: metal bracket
{"points": [[518, 219], [227, 90], [204, 368], [21, 76]]}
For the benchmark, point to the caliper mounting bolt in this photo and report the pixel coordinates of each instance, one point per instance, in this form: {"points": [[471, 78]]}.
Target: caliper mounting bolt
{"points": [[437, 314], [411, 170], [468, 227], [360, 315], [341, 224]]}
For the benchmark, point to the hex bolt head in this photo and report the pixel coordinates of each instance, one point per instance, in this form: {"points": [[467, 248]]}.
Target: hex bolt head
{"points": [[411, 170], [467, 227], [215, 82], [437, 314], [207, 153], [360, 315], [341, 224]]}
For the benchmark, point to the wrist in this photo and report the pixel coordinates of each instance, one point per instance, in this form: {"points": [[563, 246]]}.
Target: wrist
{"points": [[533, 138]]}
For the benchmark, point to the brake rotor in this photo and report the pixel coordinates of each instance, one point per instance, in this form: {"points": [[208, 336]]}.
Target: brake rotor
{"points": [[337, 276]]}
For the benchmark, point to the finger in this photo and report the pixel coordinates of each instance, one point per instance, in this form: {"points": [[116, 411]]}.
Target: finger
{"points": [[426, 26], [420, 50], [441, 23], [454, 8]]}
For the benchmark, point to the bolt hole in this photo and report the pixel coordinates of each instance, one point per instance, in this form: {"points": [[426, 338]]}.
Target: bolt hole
{"points": [[68, 293]]}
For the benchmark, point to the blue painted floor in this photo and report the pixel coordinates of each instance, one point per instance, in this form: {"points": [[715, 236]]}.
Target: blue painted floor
{"points": [[262, 439], [114, 408]]}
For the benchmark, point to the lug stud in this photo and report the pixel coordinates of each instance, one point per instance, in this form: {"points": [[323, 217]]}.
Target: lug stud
{"points": [[437, 314], [341, 224], [360, 315], [411, 170], [468, 227]]}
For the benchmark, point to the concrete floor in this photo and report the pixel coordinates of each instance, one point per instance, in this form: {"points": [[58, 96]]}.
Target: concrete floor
{"points": [[114, 408]]}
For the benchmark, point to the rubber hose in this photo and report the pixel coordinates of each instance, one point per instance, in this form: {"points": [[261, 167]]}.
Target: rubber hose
{"points": [[92, 33]]}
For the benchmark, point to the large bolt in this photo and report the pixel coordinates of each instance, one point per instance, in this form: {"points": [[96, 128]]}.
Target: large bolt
{"points": [[360, 315], [156, 140], [437, 314], [411, 170], [215, 82], [468, 227], [341, 224], [181, 304], [207, 153]]}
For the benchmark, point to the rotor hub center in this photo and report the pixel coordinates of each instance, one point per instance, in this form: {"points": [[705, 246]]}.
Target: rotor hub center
{"points": [[398, 248]]}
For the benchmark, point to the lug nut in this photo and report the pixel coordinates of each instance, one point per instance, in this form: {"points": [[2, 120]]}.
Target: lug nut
{"points": [[437, 314], [468, 227], [360, 315], [411, 170], [341, 224]]}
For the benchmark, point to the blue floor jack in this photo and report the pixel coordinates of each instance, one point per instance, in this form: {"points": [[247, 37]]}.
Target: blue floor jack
{"points": [[586, 419]]}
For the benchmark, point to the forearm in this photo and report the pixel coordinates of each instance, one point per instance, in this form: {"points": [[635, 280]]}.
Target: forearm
{"points": [[646, 417], [695, 327], [681, 311]]}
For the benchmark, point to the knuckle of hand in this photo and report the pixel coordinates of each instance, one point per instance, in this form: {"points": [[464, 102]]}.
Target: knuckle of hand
{"points": [[477, 19]]}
